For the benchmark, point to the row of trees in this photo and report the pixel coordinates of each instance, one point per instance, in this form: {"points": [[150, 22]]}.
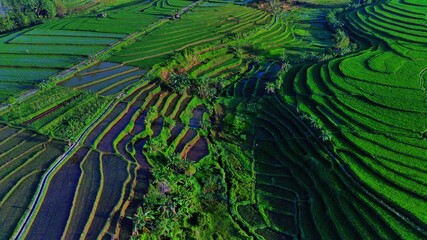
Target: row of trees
{"points": [[285, 66], [203, 87], [22, 13], [343, 45]]}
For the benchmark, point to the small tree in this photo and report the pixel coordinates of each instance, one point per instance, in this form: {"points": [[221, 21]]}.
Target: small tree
{"points": [[280, 76], [60, 9], [168, 122], [326, 135], [207, 87], [236, 124], [179, 82], [342, 40], [156, 145], [275, 7], [143, 220], [270, 87], [12, 100]]}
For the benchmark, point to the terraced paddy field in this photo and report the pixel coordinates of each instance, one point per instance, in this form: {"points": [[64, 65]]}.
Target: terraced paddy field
{"points": [[360, 100], [125, 18], [25, 157], [289, 196], [105, 78], [31, 56], [369, 109], [99, 179], [58, 112], [233, 120], [202, 25], [372, 110]]}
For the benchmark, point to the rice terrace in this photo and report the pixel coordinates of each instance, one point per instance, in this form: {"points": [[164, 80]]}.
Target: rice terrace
{"points": [[213, 119]]}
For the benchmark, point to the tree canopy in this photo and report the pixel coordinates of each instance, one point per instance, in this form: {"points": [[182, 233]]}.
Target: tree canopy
{"points": [[22, 13]]}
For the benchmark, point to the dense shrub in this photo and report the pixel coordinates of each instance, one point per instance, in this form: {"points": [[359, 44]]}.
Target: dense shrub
{"points": [[179, 82], [181, 201]]}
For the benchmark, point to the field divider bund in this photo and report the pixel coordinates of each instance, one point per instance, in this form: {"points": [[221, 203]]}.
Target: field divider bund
{"points": [[83, 173], [117, 208], [97, 198]]}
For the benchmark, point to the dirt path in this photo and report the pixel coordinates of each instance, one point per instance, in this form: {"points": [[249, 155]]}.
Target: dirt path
{"points": [[21, 98]]}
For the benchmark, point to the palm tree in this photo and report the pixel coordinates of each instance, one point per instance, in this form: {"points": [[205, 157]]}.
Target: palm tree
{"points": [[143, 221], [326, 135]]}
